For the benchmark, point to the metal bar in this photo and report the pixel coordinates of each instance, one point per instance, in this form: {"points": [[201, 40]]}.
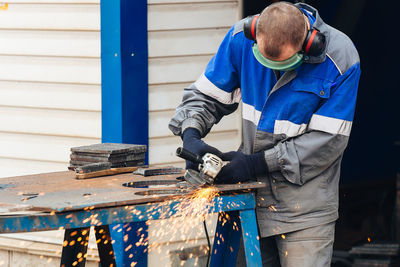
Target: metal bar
{"points": [[104, 245], [226, 240], [251, 238], [75, 247], [115, 215]]}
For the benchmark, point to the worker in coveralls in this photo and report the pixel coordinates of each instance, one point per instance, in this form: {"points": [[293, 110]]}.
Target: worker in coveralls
{"points": [[297, 79]]}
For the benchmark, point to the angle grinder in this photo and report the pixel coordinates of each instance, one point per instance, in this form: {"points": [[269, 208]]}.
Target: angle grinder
{"points": [[209, 167]]}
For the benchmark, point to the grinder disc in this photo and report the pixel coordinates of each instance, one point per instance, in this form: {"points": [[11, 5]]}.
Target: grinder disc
{"points": [[194, 178]]}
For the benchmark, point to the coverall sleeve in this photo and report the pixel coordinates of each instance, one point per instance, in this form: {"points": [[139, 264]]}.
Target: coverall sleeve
{"points": [[304, 157], [215, 94]]}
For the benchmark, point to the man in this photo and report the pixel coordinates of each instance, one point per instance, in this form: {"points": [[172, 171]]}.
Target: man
{"points": [[297, 81]]}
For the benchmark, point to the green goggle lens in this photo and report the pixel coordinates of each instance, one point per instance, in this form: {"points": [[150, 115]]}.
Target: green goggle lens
{"points": [[285, 65]]}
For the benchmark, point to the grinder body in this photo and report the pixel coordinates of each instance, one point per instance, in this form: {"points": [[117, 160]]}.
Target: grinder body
{"points": [[209, 167]]}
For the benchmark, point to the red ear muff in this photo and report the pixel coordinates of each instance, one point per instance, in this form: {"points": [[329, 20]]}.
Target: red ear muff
{"points": [[309, 41], [315, 43], [250, 27]]}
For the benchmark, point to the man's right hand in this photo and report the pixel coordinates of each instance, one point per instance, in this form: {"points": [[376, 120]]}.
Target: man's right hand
{"points": [[192, 141]]}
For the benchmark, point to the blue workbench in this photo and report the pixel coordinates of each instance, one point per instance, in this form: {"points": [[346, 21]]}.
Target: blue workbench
{"points": [[241, 223]]}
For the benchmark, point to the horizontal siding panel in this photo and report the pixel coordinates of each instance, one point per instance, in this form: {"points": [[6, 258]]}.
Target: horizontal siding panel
{"points": [[17, 167], [185, 42], [178, 69], [192, 16], [51, 95], [50, 69], [162, 150], [158, 123], [165, 96], [51, 122], [50, 43], [51, 17], [40, 147]]}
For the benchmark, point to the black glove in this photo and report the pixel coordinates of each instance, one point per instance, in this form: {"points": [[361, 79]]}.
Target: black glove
{"points": [[241, 167], [192, 141]]}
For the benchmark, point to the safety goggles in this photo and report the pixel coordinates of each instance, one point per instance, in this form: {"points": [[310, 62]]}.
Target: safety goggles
{"points": [[285, 65]]}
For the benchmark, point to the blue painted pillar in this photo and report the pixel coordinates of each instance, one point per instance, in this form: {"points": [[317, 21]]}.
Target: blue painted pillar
{"points": [[124, 74], [124, 65]]}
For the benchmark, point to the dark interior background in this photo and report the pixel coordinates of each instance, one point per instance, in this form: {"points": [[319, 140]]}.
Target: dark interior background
{"points": [[372, 159]]}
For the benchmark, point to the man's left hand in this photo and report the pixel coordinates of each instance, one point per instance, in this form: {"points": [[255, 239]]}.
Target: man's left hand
{"points": [[241, 167]]}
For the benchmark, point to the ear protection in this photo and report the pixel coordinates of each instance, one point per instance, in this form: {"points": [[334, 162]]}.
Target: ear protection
{"points": [[313, 45]]}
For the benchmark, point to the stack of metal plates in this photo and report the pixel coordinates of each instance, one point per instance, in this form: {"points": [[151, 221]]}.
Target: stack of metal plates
{"points": [[118, 155]]}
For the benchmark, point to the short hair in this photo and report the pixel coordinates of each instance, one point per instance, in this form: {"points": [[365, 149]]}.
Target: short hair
{"points": [[281, 24]]}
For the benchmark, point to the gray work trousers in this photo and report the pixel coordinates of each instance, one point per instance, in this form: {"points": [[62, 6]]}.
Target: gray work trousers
{"points": [[311, 247]]}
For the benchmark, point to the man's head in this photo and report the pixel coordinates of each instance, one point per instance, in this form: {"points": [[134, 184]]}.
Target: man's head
{"points": [[281, 31]]}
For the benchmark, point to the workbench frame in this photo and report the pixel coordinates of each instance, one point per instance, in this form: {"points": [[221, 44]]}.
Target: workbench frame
{"points": [[242, 222]]}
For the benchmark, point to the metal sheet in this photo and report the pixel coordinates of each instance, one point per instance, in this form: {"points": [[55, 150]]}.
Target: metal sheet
{"points": [[60, 191], [110, 148]]}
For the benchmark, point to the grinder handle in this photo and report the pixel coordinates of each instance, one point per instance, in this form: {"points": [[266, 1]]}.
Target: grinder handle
{"points": [[187, 155]]}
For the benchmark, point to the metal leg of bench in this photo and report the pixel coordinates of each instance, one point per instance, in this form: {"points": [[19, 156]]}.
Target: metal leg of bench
{"points": [[130, 244], [227, 239], [75, 247], [104, 246], [251, 238]]}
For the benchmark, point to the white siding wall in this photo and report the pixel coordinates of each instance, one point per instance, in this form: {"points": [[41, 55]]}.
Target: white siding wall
{"points": [[49, 82], [183, 36], [50, 78]]}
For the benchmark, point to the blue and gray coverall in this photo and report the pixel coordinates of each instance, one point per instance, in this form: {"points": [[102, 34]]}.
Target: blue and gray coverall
{"points": [[301, 119]]}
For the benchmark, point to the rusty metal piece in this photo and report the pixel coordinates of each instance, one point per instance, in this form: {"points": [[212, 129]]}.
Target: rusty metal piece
{"points": [[150, 183], [158, 171], [110, 149], [113, 165], [93, 167], [119, 155], [28, 196], [114, 159], [73, 167], [107, 172], [157, 192]]}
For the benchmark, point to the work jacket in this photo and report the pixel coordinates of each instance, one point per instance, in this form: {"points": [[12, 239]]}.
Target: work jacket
{"points": [[301, 119]]}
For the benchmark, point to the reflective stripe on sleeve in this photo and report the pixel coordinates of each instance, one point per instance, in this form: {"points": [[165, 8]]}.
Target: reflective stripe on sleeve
{"points": [[289, 128], [330, 125], [250, 113], [204, 85]]}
